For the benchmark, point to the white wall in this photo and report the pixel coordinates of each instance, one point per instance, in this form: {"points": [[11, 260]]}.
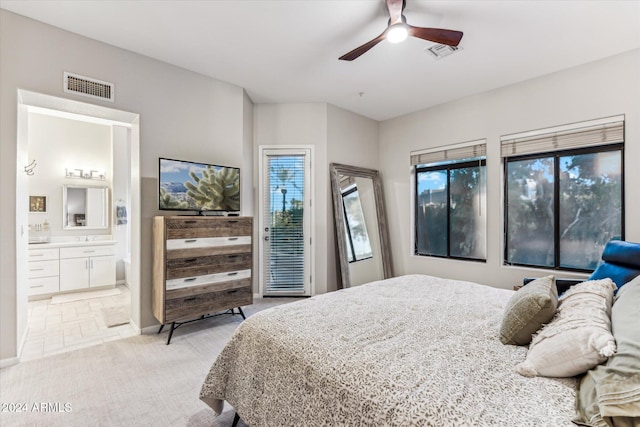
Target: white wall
{"points": [[352, 140], [183, 115], [337, 136], [56, 144], [600, 89], [300, 125]]}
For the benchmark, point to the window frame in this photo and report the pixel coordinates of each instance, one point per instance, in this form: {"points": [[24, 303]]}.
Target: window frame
{"points": [[448, 166], [556, 155]]}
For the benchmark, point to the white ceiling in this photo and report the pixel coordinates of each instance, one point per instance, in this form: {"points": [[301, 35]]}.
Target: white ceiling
{"points": [[287, 51]]}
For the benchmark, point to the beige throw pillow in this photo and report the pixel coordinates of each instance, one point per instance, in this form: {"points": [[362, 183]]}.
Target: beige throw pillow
{"points": [[579, 336], [528, 309]]}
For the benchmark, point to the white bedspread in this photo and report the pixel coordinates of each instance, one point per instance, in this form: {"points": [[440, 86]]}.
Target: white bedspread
{"points": [[409, 351]]}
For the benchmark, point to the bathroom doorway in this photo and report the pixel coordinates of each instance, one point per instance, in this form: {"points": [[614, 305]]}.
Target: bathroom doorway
{"points": [[72, 320]]}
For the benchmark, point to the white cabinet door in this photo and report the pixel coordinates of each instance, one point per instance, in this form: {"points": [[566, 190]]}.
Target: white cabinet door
{"points": [[103, 270], [74, 273]]}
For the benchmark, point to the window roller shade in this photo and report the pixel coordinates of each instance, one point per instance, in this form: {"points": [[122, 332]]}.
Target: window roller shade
{"points": [[450, 154], [589, 136]]}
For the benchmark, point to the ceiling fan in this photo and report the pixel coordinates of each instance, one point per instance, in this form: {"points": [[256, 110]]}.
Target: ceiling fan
{"points": [[397, 30]]}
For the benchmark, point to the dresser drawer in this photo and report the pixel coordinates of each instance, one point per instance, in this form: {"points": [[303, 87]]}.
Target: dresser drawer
{"points": [[43, 285], [199, 266], [87, 251], [182, 228], [43, 254], [206, 279], [198, 305], [207, 242], [43, 268]]}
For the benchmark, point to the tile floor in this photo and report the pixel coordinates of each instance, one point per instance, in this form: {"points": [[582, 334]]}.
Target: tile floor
{"points": [[58, 328]]}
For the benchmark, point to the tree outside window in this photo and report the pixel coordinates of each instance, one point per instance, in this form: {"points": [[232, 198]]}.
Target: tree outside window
{"points": [[562, 208], [451, 209]]}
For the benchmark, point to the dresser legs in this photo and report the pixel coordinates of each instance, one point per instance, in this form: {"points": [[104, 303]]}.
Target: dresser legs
{"points": [[176, 325]]}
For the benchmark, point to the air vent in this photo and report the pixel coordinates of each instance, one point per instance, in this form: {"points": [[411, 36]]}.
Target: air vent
{"points": [[86, 86], [439, 51]]}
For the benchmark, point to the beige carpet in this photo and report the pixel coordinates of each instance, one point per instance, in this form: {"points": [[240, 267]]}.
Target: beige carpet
{"points": [[137, 381], [78, 296], [115, 316]]}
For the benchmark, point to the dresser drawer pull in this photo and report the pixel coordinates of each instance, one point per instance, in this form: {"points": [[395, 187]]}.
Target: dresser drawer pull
{"points": [[233, 238], [232, 274], [191, 221], [189, 299], [233, 221], [190, 260], [88, 252], [36, 269], [191, 240], [190, 279], [232, 256], [36, 286], [30, 255]]}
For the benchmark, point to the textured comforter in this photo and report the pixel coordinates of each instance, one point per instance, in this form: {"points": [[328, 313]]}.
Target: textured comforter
{"points": [[409, 351]]}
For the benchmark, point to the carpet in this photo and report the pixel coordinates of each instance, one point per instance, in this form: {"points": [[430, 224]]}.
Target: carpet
{"points": [[116, 316], [78, 296], [132, 382]]}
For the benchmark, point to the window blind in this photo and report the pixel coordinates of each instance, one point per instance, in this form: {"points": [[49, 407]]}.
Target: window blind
{"points": [[467, 151], [580, 136], [284, 257]]}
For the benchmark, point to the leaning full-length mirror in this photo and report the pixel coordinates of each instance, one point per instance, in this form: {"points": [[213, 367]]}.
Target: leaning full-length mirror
{"points": [[361, 225]]}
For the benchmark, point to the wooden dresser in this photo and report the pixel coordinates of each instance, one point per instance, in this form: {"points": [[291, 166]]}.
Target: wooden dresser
{"points": [[201, 266]]}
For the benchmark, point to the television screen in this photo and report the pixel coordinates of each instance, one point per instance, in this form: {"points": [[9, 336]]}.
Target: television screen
{"points": [[190, 186]]}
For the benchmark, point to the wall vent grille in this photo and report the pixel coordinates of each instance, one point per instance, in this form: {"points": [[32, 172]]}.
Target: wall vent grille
{"points": [[86, 86]]}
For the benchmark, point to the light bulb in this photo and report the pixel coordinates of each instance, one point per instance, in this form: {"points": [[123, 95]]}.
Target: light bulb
{"points": [[397, 33]]}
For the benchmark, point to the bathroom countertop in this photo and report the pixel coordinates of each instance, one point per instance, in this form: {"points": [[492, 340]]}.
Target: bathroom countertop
{"points": [[45, 245]]}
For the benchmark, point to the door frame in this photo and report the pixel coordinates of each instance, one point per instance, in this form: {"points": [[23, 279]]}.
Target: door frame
{"points": [[89, 112], [307, 150]]}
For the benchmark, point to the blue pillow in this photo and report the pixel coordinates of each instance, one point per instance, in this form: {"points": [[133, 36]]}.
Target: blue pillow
{"points": [[621, 262]]}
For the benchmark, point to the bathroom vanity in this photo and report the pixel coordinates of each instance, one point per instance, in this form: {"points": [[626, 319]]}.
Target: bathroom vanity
{"points": [[71, 266]]}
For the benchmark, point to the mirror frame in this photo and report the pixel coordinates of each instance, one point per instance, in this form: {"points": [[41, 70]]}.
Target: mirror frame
{"points": [[65, 224], [337, 169]]}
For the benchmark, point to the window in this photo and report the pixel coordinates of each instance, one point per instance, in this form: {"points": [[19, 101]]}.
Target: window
{"points": [[450, 201], [355, 226], [563, 203]]}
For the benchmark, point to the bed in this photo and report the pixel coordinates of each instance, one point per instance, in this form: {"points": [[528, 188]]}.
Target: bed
{"points": [[412, 350]]}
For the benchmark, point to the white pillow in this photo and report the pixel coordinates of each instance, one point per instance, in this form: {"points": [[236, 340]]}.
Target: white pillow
{"points": [[578, 338]]}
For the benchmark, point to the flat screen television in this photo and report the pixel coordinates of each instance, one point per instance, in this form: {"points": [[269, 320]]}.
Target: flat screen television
{"points": [[199, 187]]}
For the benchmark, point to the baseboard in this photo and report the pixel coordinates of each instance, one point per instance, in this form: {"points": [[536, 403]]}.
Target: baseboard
{"points": [[5, 363], [257, 296], [150, 329]]}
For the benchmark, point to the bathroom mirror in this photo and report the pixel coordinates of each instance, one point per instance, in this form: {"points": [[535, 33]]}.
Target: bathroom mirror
{"points": [[84, 207], [361, 225]]}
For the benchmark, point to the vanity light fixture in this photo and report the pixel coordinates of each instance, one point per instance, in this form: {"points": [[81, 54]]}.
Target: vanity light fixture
{"points": [[80, 173]]}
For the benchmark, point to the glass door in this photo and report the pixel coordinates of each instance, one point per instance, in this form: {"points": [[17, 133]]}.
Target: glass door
{"points": [[285, 222]]}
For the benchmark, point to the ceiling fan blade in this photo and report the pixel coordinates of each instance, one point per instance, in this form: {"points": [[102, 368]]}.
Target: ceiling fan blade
{"points": [[395, 8], [437, 35], [362, 49]]}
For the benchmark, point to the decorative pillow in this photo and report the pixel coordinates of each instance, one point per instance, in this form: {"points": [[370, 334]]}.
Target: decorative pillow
{"points": [[610, 394], [579, 336], [528, 309], [620, 262]]}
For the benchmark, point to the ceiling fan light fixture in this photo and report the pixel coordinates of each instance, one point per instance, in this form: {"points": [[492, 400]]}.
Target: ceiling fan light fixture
{"points": [[397, 33]]}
